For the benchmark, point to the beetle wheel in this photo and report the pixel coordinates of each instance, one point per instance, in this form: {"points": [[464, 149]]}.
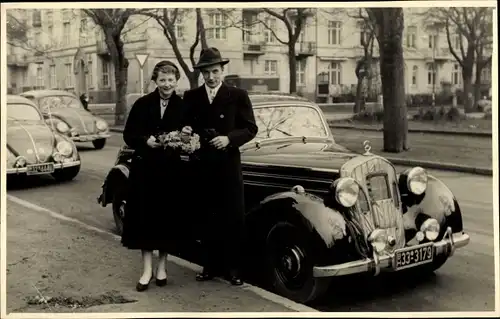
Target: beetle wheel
{"points": [[99, 143], [291, 264], [66, 174]]}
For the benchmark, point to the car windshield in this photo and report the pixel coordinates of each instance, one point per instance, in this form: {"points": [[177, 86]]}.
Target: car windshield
{"points": [[285, 121], [22, 112], [47, 103]]}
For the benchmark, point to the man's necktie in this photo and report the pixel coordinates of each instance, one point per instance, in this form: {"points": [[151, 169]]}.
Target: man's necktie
{"points": [[212, 95]]}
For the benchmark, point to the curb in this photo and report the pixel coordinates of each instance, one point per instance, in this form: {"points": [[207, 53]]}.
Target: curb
{"points": [[116, 129], [264, 294], [425, 164], [442, 132]]}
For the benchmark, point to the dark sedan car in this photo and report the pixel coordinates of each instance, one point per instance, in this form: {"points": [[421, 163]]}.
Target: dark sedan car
{"points": [[316, 210], [64, 112], [33, 148]]}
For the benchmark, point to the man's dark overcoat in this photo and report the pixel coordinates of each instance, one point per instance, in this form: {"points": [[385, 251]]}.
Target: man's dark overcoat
{"points": [[151, 219], [221, 205]]}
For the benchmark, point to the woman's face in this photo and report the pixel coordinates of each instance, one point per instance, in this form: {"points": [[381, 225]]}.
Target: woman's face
{"points": [[166, 83]]}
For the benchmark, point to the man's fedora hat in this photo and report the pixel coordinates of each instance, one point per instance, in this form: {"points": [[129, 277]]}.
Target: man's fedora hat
{"points": [[210, 56]]}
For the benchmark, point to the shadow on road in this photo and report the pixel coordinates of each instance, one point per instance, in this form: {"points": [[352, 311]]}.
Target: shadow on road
{"points": [[29, 182]]}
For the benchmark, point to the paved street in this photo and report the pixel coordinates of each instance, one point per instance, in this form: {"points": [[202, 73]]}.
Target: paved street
{"points": [[464, 283]]}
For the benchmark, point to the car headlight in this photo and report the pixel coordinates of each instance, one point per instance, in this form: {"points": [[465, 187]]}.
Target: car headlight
{"points": [[20, 161], [62, 127], [430, 228], [378, 240], [346, 191], [64, 148], [101, 125], [417, 180]]}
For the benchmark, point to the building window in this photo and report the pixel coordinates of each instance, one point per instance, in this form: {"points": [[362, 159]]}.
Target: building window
{"points": [[433, 41], [334, 73], [89, 75], [68, 68], [414, 76], [456, 75], [271, 25], [26, 79], [248, 65], [83, 30], [334, 32], [217, 26], [178, 24], [50, 33], [486, 75], [37, 18], [431, 74], [66, 33], [39, 75], [271, 67], [301, 72], [52, 76], [105, 74], [411, 37], [455, 41], [37, 38], [49, 16]]}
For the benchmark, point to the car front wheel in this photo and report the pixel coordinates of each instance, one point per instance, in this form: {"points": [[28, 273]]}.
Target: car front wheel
{"points": [[290, 264], [66, 174], [99, 143]]}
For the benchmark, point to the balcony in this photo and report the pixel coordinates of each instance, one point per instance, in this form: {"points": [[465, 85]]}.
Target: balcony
{"points": [[253, 48], [305, 49], [102, 48], [17, 60]]}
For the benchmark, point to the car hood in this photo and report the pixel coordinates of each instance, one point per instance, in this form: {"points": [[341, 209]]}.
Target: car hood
{"points": [[34, 141], [317, 153], [80, 120]]}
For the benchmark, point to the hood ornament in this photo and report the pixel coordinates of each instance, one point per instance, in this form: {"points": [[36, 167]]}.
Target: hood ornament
{"points": [[367, 147]]}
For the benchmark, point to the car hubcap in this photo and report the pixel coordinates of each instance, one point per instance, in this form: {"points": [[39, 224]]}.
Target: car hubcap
{"points": [[289, 266]]}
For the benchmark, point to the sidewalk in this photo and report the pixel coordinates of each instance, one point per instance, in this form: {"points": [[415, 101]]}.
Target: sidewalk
{"points": [[82, 270]]}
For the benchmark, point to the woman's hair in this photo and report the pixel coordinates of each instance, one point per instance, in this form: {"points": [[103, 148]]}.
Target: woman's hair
{"points": [[166, 67]]}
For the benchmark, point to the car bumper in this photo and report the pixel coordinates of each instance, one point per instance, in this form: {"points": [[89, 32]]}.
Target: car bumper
{"points": [[57, 166], [90, 137], [374, 265]]}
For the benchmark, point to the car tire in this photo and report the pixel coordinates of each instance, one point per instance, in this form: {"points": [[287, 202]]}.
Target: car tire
{"points": [[66, 174], [118, 206], [287, 247], [99, 143]]}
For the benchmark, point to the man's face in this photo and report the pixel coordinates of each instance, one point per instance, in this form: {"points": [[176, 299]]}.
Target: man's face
{"points": [[212, 75]]}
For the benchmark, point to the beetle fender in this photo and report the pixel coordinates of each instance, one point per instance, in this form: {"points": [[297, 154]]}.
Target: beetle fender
{"points": [[329, 224], [437, 202], [115, 179]]}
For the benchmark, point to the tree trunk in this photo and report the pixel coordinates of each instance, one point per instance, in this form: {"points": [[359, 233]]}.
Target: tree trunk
{"points": [[393, 81], [359, 91], [468, 88], [477, 85], [292, 66], [193, 79], [121, 76]]}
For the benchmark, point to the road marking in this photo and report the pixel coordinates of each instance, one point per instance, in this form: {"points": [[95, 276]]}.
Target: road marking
{"points": [[176, 260]]}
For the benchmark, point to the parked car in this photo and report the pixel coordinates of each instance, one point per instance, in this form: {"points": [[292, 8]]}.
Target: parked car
{"points": [[33, 148], [65, 113], [316, 210]]}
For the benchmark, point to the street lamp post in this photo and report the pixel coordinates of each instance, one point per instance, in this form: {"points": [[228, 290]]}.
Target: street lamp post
{"points": [[141, 58]]}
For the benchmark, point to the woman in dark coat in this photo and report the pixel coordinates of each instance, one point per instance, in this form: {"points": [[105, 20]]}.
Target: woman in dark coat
{"points": [[149, 224]]}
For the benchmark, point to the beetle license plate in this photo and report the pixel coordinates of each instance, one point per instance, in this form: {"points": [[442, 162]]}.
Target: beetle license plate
{"points": [[39, 169], [413, 256]]}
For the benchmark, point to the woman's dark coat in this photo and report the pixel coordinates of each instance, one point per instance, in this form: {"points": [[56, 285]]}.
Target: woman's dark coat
{"points": [[151, 211], [221, 205]]}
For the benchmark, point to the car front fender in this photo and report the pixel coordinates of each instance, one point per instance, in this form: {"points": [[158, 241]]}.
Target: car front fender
{"points": [[115, 180], [436, 202], [302, 208]]}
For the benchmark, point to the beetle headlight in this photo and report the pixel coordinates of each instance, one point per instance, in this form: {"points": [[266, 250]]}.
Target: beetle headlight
{"points": [[346, 191], [430, 228], [417, 180], [101, 125], [378, 240], [20, 162], [64, 148], [62, 127]]}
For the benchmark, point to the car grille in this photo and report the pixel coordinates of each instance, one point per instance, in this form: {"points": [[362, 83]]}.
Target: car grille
{"points": [[379, 203]]}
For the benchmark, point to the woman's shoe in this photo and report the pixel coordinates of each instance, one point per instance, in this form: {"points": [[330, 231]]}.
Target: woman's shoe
{"points": [[141, 287], [161, 282]]}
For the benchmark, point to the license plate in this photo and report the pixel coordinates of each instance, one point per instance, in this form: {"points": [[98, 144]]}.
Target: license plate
{"points": [[40, 169], [411, 257]]}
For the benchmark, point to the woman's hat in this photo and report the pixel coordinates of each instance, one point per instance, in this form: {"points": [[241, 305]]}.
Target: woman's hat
{"points": [[165, 63], [210, 56]]}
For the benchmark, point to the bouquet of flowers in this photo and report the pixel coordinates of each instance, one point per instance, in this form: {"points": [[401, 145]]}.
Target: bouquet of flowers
{"points": [[178, 140]]}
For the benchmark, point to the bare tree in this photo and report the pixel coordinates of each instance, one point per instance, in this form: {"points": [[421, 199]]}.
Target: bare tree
{"points": [[294, 20], [483, 49], [167, 19], [472, 26], [112, 23], [389, 23]]}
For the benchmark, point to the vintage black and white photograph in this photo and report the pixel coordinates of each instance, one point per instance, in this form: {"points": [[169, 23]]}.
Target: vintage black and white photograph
{"points": [[249, 158]]}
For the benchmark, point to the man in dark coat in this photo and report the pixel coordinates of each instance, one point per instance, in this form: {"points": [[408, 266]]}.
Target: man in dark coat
{"points": [[223, 117]]}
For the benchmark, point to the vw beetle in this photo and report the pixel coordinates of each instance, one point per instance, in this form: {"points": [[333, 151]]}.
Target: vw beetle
{"points": [[316, 210], [33, 148], [64, 113]]}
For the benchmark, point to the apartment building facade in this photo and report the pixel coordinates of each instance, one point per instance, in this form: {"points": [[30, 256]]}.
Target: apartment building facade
{"points": [[327, 51]]}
